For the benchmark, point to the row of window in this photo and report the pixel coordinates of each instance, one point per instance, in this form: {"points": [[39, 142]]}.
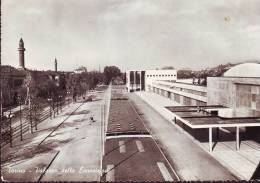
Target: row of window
{"points": [[195, 92], [177, 98], [161, 75]]}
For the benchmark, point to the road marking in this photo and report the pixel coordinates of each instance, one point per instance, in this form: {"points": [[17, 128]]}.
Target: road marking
{"points": [[165, 173], [110, 175], [156, 144], [122, 146], [139, 145], [127, 136]]}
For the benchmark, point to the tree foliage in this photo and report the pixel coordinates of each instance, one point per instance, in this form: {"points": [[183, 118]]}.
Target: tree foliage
{"points": [[111, 72], [168, 68]]}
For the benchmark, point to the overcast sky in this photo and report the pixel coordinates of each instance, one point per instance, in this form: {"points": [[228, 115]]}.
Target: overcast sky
{"points": [[132, 34]]}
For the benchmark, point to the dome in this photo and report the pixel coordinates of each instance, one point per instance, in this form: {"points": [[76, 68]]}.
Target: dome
{"points": [[244, 70]]}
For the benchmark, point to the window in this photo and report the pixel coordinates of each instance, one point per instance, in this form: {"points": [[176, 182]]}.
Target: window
{"points": [[153, 75]]}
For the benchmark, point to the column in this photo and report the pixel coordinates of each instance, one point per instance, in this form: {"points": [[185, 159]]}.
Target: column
{"points": [[210, 139], [237, 138], [134, 84], [140, 86]]}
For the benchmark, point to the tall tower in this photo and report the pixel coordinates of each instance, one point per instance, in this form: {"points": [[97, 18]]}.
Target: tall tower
{"points": [[21, 50], [56, 65]]}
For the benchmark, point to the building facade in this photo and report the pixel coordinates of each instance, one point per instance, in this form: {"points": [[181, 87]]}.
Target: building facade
{"points": [[238, 89], [137, 80], [182, 93]]}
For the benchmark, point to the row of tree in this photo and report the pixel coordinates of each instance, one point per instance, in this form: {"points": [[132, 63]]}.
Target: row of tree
{"points": [[29, 85]]}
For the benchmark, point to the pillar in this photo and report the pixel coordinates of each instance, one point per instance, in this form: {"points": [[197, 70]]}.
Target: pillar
{"points": [[237, 138], [140, 85], [210, 139]]}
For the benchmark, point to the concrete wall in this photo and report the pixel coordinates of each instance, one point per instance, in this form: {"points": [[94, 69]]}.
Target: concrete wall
{"points": [[234, 92]]}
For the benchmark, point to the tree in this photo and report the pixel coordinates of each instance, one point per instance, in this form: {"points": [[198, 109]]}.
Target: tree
{"points": [[168, 68], [111, 72], [81, 69]]}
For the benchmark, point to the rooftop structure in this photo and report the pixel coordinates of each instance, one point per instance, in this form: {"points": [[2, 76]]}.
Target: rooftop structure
{"points": [[244, 70]]}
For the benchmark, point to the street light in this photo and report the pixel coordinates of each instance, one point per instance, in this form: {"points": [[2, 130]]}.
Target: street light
{"points": [[50, 102], [68, 93], [34, 108], [9, 117], [59, 102], [19, 98], [30, 114]]}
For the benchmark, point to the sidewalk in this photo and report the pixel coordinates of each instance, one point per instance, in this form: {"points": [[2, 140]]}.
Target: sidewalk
{"points": [[189, 160], [241, 163], [71, 152]]}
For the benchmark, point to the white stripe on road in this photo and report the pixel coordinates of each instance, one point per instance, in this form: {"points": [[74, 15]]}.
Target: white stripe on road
{"points": [[139, 145], [165, 173], [122, 146], [110, 175], [127, 136]]}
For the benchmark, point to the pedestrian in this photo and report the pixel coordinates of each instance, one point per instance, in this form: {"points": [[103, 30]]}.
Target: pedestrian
{"points": [[92, 119]]}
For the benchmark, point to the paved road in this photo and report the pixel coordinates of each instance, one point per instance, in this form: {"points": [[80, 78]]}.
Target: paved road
{"points": [[137, 156], [123, 118], [188, 159], [136, 159]]}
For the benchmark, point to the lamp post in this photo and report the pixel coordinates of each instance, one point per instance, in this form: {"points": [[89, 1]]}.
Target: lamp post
{"points": [[57, 104], [60, 100], [30, 114], [9, 117], [50, 102], [34, 107], [68, 93], [20, 118]]}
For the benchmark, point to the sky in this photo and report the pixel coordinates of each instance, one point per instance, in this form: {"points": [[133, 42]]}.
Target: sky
{"points": [[130, 34]]}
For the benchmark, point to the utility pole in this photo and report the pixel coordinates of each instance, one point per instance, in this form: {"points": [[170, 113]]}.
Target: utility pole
{"points": [[1, 92]]}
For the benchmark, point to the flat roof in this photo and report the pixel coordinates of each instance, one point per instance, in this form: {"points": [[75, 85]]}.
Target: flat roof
{"points": [[205, 119]]}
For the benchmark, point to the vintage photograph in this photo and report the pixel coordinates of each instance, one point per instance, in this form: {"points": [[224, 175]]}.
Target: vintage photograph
{"points": [[130, 90]]}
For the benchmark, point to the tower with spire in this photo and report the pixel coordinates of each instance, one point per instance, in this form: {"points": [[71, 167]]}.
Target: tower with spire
{"points": [[21, 50], [55, 65]]}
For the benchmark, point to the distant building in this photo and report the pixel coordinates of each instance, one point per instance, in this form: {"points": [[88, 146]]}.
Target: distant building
{"points": [[137, 80], [239, 88]]}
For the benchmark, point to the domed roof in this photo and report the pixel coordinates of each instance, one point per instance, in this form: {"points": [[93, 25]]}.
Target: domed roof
{"points": [[244, 70]]}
